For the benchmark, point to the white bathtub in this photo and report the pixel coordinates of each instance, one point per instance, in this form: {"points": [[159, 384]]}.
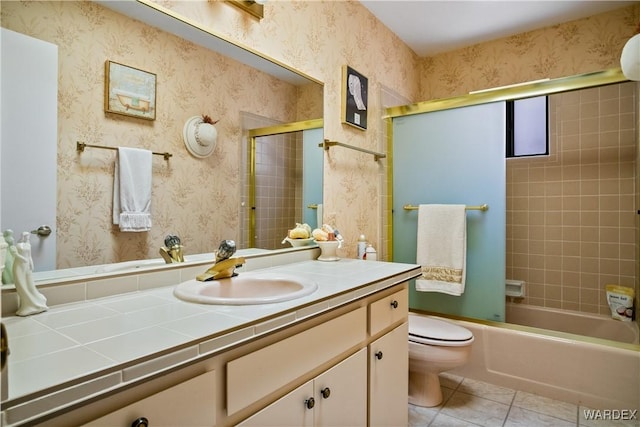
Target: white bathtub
{"points": [[594, 373], [572, 322]]}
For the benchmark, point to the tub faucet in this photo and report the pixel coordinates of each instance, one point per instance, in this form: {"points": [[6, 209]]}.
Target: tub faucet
{"points": [[172, 250], [225, 266]]}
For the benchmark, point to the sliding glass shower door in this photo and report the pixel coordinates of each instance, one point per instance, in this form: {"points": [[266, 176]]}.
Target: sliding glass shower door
{"points": [[455, 156]]}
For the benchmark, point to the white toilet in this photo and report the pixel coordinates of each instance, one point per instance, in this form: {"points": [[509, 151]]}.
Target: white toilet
{"points": [[435, 345]]}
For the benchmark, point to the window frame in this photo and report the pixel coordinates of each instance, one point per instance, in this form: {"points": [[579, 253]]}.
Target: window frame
{"points": [[510, 133]]}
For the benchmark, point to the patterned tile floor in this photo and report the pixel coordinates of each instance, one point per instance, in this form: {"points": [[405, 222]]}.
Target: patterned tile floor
{"points": [[470, 403]]}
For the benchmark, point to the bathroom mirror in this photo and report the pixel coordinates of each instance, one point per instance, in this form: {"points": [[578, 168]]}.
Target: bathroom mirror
{"points": [[198, 72]]}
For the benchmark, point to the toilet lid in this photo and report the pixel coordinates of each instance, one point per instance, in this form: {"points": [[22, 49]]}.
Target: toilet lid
{"points": [[429, 330]]}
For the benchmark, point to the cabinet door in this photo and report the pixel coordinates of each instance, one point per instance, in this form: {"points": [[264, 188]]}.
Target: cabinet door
{"points": [[339, 399], [389, 378], [341, 393], [292, 410], [189, 404]]}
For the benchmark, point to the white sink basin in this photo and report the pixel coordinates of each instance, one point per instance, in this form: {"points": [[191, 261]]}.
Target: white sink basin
{"points": [[246, 288]]}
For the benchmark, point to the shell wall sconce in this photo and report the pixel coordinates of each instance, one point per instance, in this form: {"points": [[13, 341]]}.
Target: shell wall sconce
{"points": [[200, 136]]}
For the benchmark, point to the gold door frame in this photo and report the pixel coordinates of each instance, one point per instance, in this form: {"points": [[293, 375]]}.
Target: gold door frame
{"points": [[504, 93], [268, 131]]}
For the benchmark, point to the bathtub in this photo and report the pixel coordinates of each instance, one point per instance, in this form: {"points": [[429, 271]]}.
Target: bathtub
{"points": [[585, 371], [572, 322]]}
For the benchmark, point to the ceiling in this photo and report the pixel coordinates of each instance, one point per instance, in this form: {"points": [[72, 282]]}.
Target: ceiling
{"points": [[430, 27]]}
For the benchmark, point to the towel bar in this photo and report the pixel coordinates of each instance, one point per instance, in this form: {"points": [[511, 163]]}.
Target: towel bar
{"points": [[483, 208], [80, 146], [327, 144]]}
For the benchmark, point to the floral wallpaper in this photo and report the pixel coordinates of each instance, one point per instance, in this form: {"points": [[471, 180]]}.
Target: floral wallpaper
{"points": [[199, 198], [576, 47]]}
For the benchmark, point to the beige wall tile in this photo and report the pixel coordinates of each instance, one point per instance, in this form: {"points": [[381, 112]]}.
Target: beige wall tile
{"points": [[596, 207]]}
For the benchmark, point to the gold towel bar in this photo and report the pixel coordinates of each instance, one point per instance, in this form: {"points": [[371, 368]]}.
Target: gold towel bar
{"points": [[327, 144], [312, 206], [483, 208], [80, 146]]}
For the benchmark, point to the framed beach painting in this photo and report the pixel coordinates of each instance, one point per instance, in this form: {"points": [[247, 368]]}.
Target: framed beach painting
{"points": [[354, 98], [129, 91]]}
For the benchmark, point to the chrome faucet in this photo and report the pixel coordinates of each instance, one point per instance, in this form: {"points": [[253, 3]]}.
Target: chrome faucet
{"points": [[225, 266], [172, 250], [226, 250]]}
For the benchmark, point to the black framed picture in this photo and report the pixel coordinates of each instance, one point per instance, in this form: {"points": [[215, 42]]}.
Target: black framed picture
{"points": [[354, 98]]}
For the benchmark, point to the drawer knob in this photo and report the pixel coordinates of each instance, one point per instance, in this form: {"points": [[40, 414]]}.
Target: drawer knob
{"points": [[310, 403], [326, 392], [394, 304], [140, 422], [379, 355]]}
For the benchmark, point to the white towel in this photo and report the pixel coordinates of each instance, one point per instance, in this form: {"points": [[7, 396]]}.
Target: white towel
{"points": [[132, 190], [442, 248]]}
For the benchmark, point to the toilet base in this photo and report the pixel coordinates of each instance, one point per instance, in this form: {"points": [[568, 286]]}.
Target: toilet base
{"points": [[424, 389]]}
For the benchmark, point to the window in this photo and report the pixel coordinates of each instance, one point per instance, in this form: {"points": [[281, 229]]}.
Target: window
{"points": [[528, 127]]}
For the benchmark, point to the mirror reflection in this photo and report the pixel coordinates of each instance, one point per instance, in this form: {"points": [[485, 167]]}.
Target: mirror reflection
{"points": [[285, 181], [199, 200]]}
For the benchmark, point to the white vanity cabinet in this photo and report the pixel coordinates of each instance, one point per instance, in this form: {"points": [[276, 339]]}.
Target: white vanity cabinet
{"points": [[336, 397], [389, 378], [261, 373], [389, 360], [368, 388], [191, 403], [347, 365]]}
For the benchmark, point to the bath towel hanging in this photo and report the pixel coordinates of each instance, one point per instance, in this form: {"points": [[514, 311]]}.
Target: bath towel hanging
{"points": [[442, 248], [132, 189]]}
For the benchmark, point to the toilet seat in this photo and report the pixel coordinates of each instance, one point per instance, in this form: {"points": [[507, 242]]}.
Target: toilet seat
{"points": [[432, 331]]}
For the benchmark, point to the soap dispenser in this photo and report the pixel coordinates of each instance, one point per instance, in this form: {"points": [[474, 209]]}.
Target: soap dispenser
{"points": [[362, 246], [370, 253]]}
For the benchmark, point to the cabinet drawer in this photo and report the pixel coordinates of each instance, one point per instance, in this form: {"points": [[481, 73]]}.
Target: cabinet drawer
{"points": [[191, 403], [262, 372], [388, 310]]}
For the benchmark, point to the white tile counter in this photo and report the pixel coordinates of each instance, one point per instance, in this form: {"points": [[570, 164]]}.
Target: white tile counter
{"points": [[82, 349]]}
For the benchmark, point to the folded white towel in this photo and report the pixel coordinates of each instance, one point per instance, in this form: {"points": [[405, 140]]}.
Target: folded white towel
{"points": [[132, 190], [442, 248]]}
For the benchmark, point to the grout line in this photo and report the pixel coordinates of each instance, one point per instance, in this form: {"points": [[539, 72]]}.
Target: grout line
{"points": [[504, 423], [438, 410]]}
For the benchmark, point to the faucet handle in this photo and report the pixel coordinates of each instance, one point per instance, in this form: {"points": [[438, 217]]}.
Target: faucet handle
{"points": [[171, 241], [226, 250]]}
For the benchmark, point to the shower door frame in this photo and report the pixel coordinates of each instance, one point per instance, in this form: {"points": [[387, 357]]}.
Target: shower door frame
{"points": [[505, 93], [252, 135]]}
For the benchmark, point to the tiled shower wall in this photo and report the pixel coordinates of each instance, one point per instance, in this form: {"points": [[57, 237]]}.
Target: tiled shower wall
{"points": [[278, 185], [277, 173], [571, 220]]}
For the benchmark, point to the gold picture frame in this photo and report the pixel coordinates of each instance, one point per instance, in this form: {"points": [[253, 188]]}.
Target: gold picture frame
{"points": [[129, 91], [354, 98]]}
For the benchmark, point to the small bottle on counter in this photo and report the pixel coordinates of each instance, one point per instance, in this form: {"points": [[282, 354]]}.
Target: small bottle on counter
{"points": [[362, 246], [370, 253]]}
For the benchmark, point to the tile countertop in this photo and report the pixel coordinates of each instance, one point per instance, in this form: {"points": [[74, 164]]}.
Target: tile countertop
{"points": [[81, 349]]}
